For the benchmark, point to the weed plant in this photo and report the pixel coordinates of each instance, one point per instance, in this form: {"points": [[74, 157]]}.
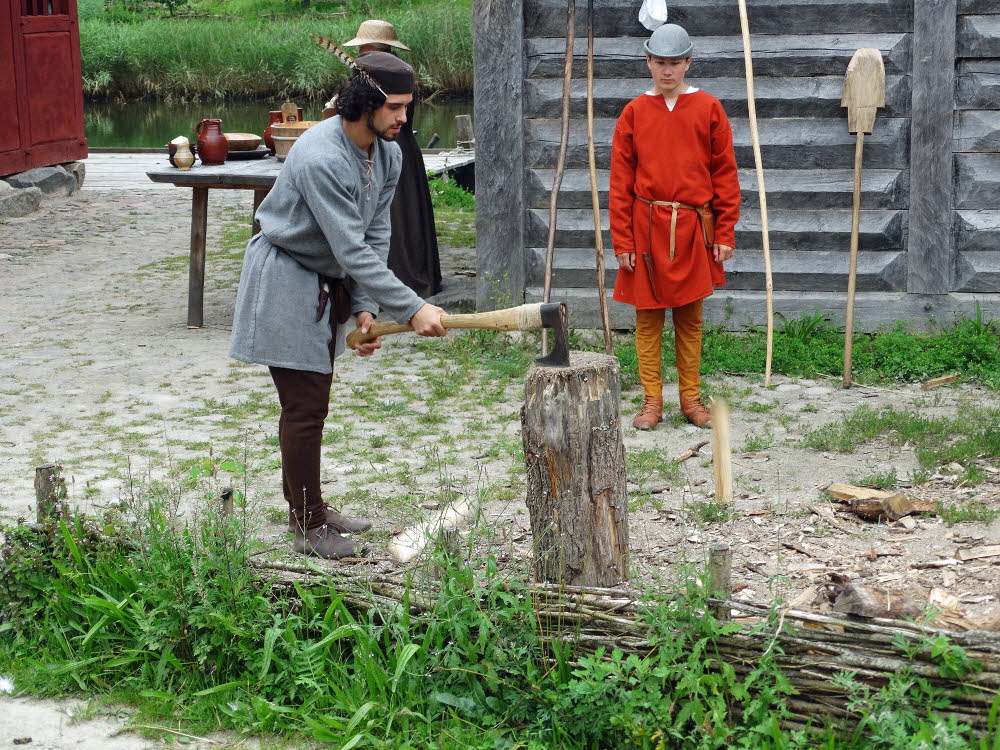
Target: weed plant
{"points": [[130, 55], [170, 619]]}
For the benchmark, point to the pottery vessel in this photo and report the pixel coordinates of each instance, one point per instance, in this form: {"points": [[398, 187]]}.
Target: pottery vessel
{"points": [[213, 148], [181, 157], [273, 116]]}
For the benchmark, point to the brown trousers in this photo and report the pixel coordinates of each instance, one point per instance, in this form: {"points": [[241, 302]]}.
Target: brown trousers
{"points": [[305, 400], [687, 348]]}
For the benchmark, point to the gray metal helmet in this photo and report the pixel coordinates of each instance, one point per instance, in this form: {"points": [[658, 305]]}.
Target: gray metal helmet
{"points": [[670, 40]]}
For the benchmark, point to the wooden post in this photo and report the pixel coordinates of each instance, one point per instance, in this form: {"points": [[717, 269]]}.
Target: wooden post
{"points": [[463, 132], [575, 461], [722, 459], [720, 576], [196, 272], [498, 37], [48, 485], [258, 197], [227, 502]]}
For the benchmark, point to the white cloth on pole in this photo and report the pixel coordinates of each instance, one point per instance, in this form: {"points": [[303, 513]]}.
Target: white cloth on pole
{"points": [[653, 13]]}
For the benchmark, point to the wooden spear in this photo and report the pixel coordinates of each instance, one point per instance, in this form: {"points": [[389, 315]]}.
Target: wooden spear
{"points": [[602, 293], [864, 93], [761, 192], [561, 161]]}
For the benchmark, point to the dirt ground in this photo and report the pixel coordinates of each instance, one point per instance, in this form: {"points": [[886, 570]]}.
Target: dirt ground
{"points": [[99, 373]]}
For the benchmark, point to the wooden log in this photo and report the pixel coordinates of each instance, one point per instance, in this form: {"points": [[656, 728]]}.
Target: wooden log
{"points": [[930, 385], [227, 502], [722, 459], [463, 132], [575, 461], [720, 576], [868, 601], [49, 490]]}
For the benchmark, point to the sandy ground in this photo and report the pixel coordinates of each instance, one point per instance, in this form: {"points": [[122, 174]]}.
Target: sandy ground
{"points": [[99, 374]]}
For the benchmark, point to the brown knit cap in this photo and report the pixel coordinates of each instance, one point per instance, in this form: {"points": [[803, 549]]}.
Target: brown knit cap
{"points": [[392, 74]]}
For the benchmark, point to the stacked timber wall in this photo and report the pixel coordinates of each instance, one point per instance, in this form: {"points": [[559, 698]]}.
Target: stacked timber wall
{"points": [[930, 222]]}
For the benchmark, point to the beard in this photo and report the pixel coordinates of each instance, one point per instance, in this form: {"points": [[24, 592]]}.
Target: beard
{"points": [[382, 135]]}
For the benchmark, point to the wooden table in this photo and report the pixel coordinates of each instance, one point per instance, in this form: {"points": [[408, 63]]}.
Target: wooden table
{"points": [[257, 175]]}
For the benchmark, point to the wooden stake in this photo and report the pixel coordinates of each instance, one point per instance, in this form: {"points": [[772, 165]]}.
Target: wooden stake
{"points": [[864, 93], [720, 576], [602, 294], [761, 191], [47, 492], [722, 459], [561, 161]]}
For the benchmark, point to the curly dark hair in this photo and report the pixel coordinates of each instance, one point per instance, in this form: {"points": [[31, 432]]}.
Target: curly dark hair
{"points": [[357, 98]]}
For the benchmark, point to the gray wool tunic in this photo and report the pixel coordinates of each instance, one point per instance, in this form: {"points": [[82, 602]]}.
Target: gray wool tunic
{"points": [[327, 214]]}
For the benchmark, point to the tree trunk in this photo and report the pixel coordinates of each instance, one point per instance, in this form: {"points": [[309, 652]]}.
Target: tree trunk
{"points": [[575, 462]]}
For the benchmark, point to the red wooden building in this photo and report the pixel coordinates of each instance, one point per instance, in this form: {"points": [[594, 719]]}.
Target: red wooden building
{"points": [[41, 89]]}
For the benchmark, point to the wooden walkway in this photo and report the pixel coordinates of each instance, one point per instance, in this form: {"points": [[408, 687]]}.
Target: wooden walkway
{"points": [[127, 170]]}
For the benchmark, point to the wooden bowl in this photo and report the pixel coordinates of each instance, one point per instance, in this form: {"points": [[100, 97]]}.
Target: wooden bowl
{"points": [[242, 141], [294, 129], [282, 144]]}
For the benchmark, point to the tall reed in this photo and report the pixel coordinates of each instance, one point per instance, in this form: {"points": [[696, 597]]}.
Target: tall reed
{"points": [[203, 58]]}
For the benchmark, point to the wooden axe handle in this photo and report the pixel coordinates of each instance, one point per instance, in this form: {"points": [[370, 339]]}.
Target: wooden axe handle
{"points": [[523, 318]]}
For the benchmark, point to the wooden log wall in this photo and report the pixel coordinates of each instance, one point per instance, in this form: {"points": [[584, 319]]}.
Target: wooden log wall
{"points": [[930, 221]]}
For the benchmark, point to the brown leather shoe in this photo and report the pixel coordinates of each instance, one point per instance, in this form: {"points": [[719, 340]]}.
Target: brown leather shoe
{"points": [[324, 541], [696, 412], [340, 523], [650, 415]]}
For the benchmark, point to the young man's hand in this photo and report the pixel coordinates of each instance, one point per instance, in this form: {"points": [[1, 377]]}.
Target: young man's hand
{"points": [[721, 252], [427, 321], [626, 261], [364, 321]]}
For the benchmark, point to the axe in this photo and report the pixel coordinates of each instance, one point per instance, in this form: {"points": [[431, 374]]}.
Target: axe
{"points": [[524, 318]]}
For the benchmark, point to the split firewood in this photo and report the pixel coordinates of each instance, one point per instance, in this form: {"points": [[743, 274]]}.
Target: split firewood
{"points": [[868, 601], [878, 505], [691, 452], [933, 383], [973, 553], [409, 543], [943, 563]]}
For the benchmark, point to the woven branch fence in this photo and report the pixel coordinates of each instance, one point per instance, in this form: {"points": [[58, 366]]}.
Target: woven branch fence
{"points": [[809, 647]]}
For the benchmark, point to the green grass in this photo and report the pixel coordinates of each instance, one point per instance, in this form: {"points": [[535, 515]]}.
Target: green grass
{"points": [[128, 55], [971, 512], [881, 480], [176, 624], [454, 213], [972, 434]]}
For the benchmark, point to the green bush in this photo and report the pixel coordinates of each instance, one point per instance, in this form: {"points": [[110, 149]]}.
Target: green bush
{"points": [[128, 56]]}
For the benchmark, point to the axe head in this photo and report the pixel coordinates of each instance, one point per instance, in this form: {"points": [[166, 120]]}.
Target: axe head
{"points": [[555, 316]]}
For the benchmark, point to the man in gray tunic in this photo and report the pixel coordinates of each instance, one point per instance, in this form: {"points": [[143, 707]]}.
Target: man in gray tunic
{"points": [[320, 258]]}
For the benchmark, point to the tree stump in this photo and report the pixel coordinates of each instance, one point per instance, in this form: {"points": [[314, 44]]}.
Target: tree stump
{"points": [[575, 462]]}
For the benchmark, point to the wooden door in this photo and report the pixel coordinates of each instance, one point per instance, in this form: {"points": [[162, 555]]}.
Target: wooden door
{"points": [[48, 117], [12, 157]]}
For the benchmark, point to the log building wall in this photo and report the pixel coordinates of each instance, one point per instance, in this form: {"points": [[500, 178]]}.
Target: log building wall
{"points": [[930, 221]]}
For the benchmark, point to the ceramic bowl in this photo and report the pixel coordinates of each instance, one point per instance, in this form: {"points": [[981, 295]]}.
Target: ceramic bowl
{"points": [[242, 141]]}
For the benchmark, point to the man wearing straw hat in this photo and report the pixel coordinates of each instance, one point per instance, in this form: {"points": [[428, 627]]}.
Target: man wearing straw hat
{"points": [[674, 203], [318, 260], [413, 248]]}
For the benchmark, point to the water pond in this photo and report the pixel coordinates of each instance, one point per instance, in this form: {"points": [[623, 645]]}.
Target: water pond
{"points": [[147, 124]]}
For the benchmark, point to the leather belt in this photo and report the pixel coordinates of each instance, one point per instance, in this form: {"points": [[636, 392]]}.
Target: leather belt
{"points": [[704, 214], [335, 290]]}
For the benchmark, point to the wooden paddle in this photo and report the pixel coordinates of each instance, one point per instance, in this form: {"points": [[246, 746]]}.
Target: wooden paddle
{"points": [[864, 93]]}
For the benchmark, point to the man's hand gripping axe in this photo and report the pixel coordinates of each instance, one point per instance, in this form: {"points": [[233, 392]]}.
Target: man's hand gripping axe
{"points": [[524, 318]]}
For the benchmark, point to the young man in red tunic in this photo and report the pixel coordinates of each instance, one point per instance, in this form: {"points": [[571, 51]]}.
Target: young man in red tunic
{"points": [[674, 204]]}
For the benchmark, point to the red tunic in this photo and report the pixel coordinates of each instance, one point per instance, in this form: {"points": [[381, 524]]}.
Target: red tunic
{"points": [[685, 155]]}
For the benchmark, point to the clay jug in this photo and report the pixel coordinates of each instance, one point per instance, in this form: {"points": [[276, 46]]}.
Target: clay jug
{"points": [[213, 148], [180, 154], [273, 116]]}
